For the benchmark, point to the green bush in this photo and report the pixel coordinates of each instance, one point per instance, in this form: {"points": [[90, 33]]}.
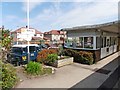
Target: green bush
{"points": [[42, 55], [52, 58], [34, 68], [84, 57], [72, 53], [60, 50], [9, 76], [0, 74]]}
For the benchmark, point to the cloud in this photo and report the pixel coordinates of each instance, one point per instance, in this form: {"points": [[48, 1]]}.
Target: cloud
{"points": [[0, 14], [13, 21], [32, 4], [55, 16], [89, 15], [48, 14], [9, 18]]}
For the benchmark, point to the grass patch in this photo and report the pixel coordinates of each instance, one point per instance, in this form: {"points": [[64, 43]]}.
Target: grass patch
{"points": [[36, 69], [46, 71]]}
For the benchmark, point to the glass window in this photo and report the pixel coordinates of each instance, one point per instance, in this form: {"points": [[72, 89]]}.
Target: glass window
{"points": [[69, 42], [108, 42], [104, 41], [32, 48], [24, 50], [97, 42], [17, 50], [112, 40], [74, 42], [79, 42], [88, 42], [116, 41]]}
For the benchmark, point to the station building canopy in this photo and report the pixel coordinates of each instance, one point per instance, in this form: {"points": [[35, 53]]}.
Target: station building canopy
{"points": [[109, 27]]}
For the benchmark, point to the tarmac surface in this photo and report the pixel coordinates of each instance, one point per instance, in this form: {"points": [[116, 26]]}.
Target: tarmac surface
{"points": [[79, 75]]}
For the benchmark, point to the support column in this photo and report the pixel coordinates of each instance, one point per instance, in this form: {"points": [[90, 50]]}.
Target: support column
{"points": [[94, 42], [83, 42]]}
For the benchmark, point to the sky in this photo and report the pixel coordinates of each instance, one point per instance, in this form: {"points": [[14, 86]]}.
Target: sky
{"points": [[46, 15]]}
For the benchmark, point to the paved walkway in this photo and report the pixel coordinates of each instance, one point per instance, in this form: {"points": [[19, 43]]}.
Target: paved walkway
{"points": [[70, 75]]}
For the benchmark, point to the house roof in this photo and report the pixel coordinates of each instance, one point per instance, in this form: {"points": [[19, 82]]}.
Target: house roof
{"points": [[111, 27], [19, 30], [38, 32], [46, 38], [36, 38], [55, 32]]}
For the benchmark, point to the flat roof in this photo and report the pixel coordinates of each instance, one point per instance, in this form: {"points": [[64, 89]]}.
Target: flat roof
{"points": [[25, 45], [111, 27]]}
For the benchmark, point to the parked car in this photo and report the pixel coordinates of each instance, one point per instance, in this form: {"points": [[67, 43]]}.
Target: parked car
{"points": [[53, 47], [19, 53], [43, 46]]}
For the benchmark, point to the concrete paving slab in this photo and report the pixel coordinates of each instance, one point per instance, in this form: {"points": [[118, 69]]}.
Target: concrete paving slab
{"points": [[97, 80], [68, 76]]}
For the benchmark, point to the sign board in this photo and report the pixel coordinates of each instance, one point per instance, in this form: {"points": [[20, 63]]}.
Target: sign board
{"points": [[26, 34], [26, 31]]}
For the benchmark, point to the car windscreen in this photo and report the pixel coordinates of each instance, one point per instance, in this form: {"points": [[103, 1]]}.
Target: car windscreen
{"points": [[16, 50], [24, 50], [32, 49]]}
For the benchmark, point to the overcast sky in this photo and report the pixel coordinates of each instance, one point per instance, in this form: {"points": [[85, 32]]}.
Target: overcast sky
{"points": [[55, 15]]}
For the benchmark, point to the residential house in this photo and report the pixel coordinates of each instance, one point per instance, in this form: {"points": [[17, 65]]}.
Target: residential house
{"points": [[22, 35], [56, 36]]}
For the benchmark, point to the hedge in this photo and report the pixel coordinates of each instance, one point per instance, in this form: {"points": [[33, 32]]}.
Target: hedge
{"points": [[83, 57]]}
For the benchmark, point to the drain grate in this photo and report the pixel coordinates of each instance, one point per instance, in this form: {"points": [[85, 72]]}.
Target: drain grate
{"points": [[103, 71]]}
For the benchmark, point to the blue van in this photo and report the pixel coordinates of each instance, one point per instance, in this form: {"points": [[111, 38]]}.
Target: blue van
{"points": [[19, 53]]}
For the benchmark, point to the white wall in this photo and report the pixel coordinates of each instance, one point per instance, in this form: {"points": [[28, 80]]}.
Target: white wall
{"points": [[112, 49], [40, 35]]}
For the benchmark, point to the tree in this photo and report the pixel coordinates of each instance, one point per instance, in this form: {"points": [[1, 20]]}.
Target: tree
{"points": [[5, 43], [6, 39], [8, 76]]}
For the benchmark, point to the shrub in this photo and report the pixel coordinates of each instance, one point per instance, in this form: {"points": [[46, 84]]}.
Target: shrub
{"points": [[86, 57], [42, 55], [52, 58], [80, 56], [34, 68], [72, 53], [60, 50], [9, 76], [52, 51], [69, 52]]}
